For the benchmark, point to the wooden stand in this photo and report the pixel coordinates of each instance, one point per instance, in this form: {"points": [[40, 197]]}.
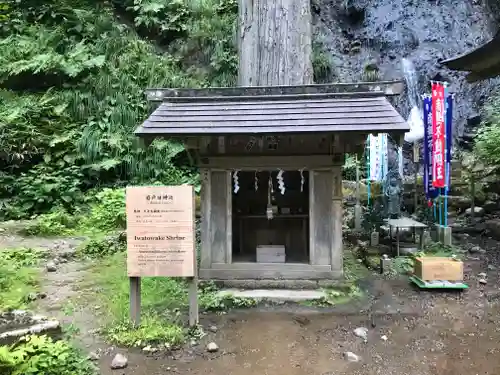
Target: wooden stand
{"points": [[135, 301]]}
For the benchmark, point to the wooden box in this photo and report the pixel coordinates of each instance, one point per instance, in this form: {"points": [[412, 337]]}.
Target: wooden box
{"points": [[438, 268], [270, 254]]}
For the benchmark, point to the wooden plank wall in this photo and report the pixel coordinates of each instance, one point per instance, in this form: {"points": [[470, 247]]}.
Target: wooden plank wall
{"points": [[220, 217], [337, 214], [321, 230]]}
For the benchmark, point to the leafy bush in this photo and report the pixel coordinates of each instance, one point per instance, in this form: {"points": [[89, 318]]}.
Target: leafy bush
{"points": [[487, 146], [55, 223], [18, 277], [73, 80], [22, 257], [36, 355], [108, 245], [107, 212]]}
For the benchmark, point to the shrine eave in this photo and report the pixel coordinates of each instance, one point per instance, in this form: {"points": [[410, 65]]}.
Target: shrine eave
{"points": [[300, 113], [481, 63]]}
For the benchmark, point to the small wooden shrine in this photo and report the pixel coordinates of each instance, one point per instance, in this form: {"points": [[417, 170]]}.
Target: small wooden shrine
{"points": [[271, 165]]}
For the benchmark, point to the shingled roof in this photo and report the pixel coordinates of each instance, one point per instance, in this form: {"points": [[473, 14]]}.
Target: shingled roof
{"points": [[290, 109], [481, 63]]}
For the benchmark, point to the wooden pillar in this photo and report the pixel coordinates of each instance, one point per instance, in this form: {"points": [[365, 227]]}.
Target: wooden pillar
{"points": [[337, 213], [229, 217], [320, 217], [220, 232], [357, 207], [206, 205]]}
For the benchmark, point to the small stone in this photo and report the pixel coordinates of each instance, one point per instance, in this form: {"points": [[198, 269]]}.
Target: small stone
{"points": [[212, 329], [491, 267], [212, 347], [93, 356], [384, 338], [475, 249], [351, 357], [361, 332], [147, 349], [51, 266], [194, 342], [482, 275], [119, 362], [477, 211], [482, 281]]}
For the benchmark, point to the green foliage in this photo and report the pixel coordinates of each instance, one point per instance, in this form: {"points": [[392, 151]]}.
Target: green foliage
{"points": [[213, 301], [22, 257], [55, 223], [107, 213], [486, 146], [164, 19], [73, 78], [35, 355], [339, 296], [322, 63], [18, 277], [154, 329], [107, 245], [162, 319], [373, 218]]}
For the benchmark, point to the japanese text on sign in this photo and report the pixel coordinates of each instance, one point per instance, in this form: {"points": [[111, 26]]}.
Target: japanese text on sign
{"points": [[160, 231]]}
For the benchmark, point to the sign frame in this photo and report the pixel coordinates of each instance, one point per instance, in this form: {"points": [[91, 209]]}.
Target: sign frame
{"points": [[162, 231]]}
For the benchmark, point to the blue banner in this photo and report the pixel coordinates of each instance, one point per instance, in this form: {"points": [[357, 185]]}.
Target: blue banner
{"points": [[449, 137], [430, 191], [449, 127]]}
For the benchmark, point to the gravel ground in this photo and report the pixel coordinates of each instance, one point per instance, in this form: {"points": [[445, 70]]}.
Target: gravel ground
{"points": [[411, 332]]}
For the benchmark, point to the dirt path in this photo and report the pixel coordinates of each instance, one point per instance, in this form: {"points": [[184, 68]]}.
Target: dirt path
{"points": [[427, 333], [62, 288], [448, 335]]}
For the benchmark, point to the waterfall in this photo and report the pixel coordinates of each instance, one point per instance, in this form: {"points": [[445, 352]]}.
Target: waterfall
{"points": [[415, 121], [410, 76]]}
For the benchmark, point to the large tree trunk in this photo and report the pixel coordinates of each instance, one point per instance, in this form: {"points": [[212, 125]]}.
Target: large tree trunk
{"points": [[275, 42]]}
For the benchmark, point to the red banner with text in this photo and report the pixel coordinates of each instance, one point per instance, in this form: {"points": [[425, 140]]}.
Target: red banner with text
{"points": [[438, 135]]}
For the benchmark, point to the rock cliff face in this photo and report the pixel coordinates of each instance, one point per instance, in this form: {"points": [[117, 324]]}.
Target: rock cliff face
{"points": [[369, 38]]}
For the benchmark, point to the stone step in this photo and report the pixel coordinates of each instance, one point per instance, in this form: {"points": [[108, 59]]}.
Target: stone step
{"points": [[275, 295]]}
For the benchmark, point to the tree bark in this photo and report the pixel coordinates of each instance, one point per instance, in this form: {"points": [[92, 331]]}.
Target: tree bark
{"points": [[275, 42]]}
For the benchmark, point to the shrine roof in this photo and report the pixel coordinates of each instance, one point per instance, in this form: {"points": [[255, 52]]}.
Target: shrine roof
{"points": [[482, 62], [275, 110]]}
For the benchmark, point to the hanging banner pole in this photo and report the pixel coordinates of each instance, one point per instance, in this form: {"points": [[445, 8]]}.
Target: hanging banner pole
{"points": [[430, 191], [438, 141], [446, 135], [449, 144], [368, 170]]}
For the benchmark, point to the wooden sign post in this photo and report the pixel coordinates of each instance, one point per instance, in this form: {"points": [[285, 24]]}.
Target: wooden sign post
{"points": [[161, 240]]}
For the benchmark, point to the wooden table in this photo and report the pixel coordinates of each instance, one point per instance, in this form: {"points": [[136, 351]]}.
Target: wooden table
{"points": [[406, 222]]}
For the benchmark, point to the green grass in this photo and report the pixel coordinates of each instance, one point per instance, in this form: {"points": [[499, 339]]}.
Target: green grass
{"points": [[353, 269], [18, 277], [337, 296], [164, 304]]}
